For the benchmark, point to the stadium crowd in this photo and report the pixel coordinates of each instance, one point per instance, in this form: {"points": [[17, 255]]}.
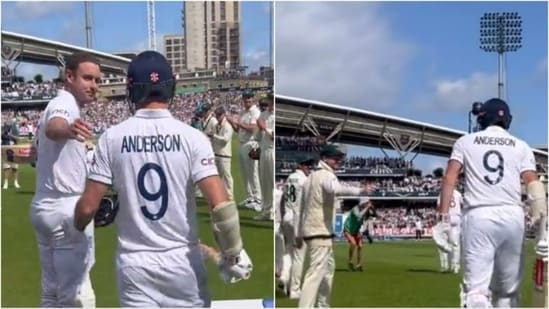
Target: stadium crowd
{"points": [[29, 90], [103, 114], [300, 143], [405, 217], [355, 162], [413, 184]]}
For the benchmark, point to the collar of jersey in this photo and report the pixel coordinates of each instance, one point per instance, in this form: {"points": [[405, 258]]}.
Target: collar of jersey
{"points": [[153, 113], [495, 128], [325, 166]]}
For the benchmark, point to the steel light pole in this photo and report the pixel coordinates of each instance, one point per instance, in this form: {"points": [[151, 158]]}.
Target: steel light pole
{"points": [[500, 33]]}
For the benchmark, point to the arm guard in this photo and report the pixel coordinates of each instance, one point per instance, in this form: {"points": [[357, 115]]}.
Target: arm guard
{"points": [[226, 229], [537, 200]]}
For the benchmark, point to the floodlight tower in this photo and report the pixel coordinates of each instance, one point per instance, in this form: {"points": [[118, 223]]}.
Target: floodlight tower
{"points": [[151, 22], [500, 33], [88, 18]]}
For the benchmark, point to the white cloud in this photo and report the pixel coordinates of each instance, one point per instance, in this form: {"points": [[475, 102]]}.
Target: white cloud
{"points": [[38, 9], [256, 58], [458, 94], [343, 53]]}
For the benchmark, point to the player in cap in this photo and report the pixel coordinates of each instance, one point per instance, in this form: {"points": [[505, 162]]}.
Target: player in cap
{"points": [[153, 160], [494, 164], [61, 169], [316, 226], [290, 207], [351, 231], [266, 127], [246, 126]]}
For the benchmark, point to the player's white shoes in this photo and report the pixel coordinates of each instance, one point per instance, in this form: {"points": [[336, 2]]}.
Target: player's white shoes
{"points": [[251, 203], [15, 184], [295, 295], [245, 202]]}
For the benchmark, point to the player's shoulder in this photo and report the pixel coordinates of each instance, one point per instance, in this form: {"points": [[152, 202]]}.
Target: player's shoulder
{"points": [[63, 99], [519, 142]]}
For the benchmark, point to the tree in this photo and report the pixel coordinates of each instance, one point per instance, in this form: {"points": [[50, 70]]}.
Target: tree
{"points": [[38, 78], [438, 172], [19, 79]]}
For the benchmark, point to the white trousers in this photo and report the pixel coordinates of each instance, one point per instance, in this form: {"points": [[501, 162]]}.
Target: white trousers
{"points": [[224, 170], [250, 172], [266, 171], [493, 239], [451, 260], [317, 286], [297, 256], [66, 254], [174, 278]]}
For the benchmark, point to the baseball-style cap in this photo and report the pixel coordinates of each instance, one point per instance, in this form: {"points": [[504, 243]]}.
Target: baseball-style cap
{"points": [[304, 160], [331, 151], [247, 93]]}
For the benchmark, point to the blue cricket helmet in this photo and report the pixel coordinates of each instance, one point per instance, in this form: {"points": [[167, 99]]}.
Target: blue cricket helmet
{"points": [[494, 112], [150, 76]]}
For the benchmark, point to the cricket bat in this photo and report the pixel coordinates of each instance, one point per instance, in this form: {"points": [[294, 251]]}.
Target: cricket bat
{"points": [[539, 297]]}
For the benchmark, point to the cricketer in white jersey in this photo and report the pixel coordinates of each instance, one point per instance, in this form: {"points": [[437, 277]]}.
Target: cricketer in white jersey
{"points": [[153, 161], [266, 126], [494, 162], [293, 189], [451, 260], [66, 255]]}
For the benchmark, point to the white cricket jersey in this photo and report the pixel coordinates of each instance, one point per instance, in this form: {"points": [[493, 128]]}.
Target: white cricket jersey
{"points": [[209, 125], [248, 116], [293, 188], [493, 161], [61, 166], [153, 161], [455, 207]]}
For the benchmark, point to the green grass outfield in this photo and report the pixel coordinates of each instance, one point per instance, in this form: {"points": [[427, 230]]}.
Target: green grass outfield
{"points": [[401, 274], [21, 269]]}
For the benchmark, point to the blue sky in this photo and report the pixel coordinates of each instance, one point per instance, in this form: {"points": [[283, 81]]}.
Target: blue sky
{"points": [[122, 26], [420, 61]]}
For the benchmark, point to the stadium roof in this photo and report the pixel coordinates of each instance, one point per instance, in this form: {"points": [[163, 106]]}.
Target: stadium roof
{"points": [[42, 51], [360, 127]]}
